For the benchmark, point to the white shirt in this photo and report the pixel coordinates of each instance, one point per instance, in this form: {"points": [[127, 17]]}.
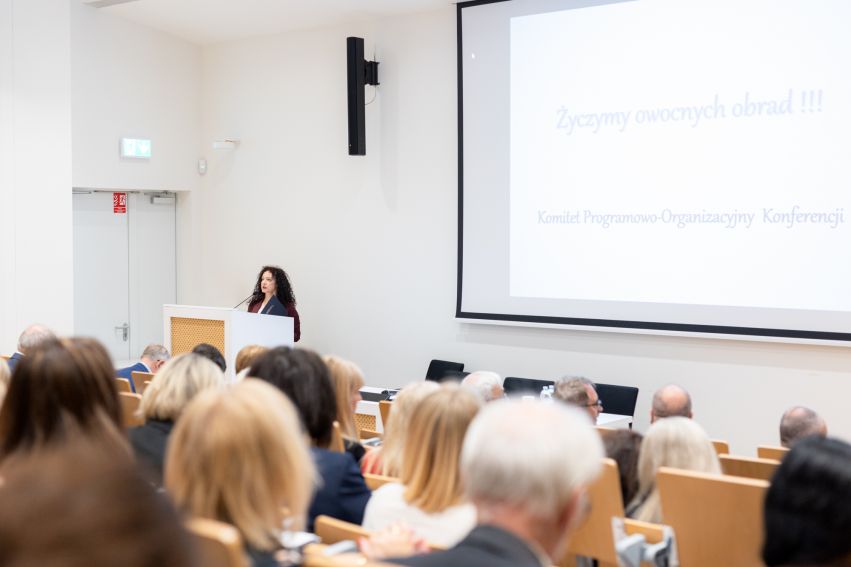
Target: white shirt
{"points": [[446, 528]]}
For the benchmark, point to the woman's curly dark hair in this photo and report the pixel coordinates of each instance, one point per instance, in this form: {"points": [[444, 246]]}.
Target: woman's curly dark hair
{"points": [[283, 289]]}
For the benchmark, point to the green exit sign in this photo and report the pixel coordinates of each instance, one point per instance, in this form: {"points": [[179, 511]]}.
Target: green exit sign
{"points": [[137, 148]]}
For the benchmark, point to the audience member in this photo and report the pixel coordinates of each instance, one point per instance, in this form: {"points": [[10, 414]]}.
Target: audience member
{"points": [[5, 376], [303, 377], [61, 390], [676, 442], [670, 401], [30, 339], [429, 496], [179, 380], [152, 359], [211, 353], [348, 380], [624, 446], [799, 422], [580, 392], [808, 506], [238, 456], [526, 466], [245, 357], [82, 505], [387, 460], [487, 385]]}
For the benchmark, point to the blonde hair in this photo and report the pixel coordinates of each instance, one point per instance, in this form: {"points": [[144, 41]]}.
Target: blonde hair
{"points": [[239, 456], [677, 442], [246, 356], [430, 468], [177, 382], [396, 427], [347, 378]]}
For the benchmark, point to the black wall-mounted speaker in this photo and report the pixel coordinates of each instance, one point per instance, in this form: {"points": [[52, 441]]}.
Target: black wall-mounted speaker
{"points": [[359, 73]]}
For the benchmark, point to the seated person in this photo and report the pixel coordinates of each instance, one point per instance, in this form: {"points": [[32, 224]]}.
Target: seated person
{"points": [[238, 456], [670, 401], [580, 392], [173, 387], [429, 497], [244, 358], [31, 338], [808, 506], [387, 459], [624, 446], [799, 422], [488, 385], [677, 442], [152, 359], [348, 380], [304, 378], [212, 354]]}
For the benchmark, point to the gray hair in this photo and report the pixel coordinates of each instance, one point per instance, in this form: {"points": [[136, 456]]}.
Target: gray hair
{"points": [[530, 455], [671, 401], [571, 389], [156, 352], [483, 383], [799, 422], [33, 337]]}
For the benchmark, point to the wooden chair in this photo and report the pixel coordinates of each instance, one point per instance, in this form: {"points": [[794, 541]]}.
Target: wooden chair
{"points": [[717, 519], [594, 537], [721, 447], [368, 434], [217, 544], [337, 439], [130, 409], [604, 431], [760, 469], [331, 530], [5, 356], [139, 379], [384, 407], [376, 481], [770, 452], [123, 385]]}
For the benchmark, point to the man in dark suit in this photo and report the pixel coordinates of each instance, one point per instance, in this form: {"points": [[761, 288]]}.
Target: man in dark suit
{"points": [[32, 337], [526, 467], [153, 357]]}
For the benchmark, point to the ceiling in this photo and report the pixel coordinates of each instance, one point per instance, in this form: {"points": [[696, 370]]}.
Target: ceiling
{"points": [[214, 21]]}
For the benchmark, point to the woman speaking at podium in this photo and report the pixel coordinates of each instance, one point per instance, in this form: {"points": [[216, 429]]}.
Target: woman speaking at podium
{"points": [[273, 295]]}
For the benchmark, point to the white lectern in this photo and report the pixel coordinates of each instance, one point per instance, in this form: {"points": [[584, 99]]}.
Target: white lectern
{"points": [[186, 326]]}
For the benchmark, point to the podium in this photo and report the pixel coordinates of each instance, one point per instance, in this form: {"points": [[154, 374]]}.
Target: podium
{"points": [[186, 326]]}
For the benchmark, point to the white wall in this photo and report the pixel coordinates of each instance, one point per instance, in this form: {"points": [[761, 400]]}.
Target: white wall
{"points": [[370, 242], [35, 168], [130, 81]]}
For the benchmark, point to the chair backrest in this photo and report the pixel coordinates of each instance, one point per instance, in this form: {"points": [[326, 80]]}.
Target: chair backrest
{"points": [[376, 481], [437, 369], [717, 518], [130, 409], [217, 544], [139, 379], [619, 400], [384, 407], [771, 452], [761, 469], [337, 439], [368, 434], [145, 387], [123, 385], [331, 530], [594, 537], [515, 386], [721, 447]]}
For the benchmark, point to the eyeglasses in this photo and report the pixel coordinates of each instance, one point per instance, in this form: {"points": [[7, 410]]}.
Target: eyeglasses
{"points": [[598, 403]]}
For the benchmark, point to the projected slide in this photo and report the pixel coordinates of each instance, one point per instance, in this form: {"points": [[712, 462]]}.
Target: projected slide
{"points": [[657, 158]]}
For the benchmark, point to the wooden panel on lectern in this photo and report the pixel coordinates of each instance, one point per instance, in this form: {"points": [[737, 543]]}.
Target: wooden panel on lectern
{"points": [[187, 333], [364, 421]]}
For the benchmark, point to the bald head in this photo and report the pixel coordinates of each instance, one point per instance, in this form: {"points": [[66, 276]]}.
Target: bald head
{"points": [[33, 337], [670, 401], [799, 422], [487, 385]]}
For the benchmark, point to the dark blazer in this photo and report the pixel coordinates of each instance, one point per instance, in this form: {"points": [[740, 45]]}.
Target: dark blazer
{"points": [[127, 373], [149, 442], [485, 546], [14, 360], [343, 493]]}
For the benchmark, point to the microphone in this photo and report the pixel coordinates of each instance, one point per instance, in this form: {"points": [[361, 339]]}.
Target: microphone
{"points": [[243, 301]]}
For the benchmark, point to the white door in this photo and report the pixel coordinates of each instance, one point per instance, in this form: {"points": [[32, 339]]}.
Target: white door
{"points": [[124, 269]]}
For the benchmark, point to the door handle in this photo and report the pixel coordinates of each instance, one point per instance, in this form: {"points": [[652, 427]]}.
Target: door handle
{"points": [[125, 331]]}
